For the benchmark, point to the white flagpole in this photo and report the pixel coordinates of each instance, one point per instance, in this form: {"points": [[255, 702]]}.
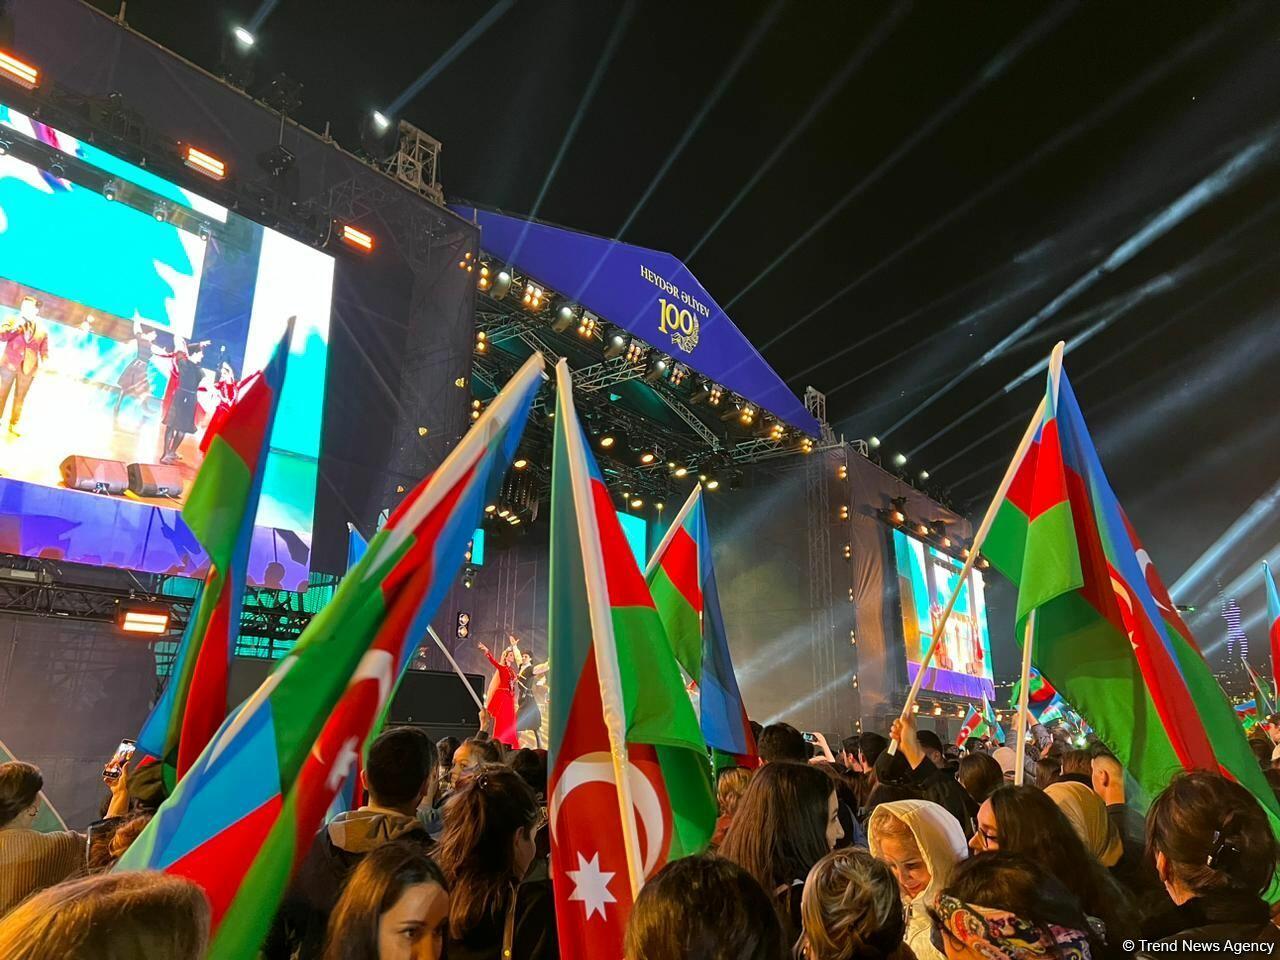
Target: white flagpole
{"points": [[454, 663], [1020, 739]]}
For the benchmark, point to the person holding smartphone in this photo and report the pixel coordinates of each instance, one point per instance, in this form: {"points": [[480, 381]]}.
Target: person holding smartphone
{"points": [[30, 860]]}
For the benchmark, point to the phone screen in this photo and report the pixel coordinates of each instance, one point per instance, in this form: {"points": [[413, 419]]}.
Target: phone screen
{"points": [[811, 738], [121, 757]]}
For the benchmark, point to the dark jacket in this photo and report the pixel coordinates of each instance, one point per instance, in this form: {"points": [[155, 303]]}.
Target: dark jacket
{"points": [[932, 784], [1235, 916], [336, 850], [535, 927]]}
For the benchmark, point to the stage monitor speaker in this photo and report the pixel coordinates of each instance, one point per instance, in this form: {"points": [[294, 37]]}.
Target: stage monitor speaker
{"points": [[94, 475], [436, 698], [155, 480]]}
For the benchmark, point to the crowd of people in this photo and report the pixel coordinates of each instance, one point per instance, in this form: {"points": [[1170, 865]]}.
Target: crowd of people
{"points": [[924, 852]]}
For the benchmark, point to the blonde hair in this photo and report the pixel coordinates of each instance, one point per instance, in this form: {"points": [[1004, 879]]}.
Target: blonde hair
{"points": [[890, 827], [730, 787], [120, 916], [851, 908]]}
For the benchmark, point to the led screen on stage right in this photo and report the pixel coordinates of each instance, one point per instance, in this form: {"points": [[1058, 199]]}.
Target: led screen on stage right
{"points": [[926, 579]]}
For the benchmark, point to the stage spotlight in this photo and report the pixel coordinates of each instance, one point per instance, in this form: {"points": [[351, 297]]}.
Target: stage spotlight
{"points": [[19, 71], [205, 163], [937, 710], [160, 211], [713, 484], [842, 472], [701, 394], [844, 511], [482, 342], [244, 36], [607, 441], [924, 475], [874, 443], [565, 317], [588, 325], [848, 552], [678, 372], [915, 708], [964, 553], [636, 503], [110, 190], [356, 238], [235, 60], [283, 94], [717, 394], [680, 471], [659, 506], [484, 282], [491, 508], [520, 463], [922, 529], [778, 431], [647, 457], [635, 351], [466, 263], [149, 620], [379, 137], [747, 415], [899, 459], [204, 232], [501, 285], [615, 347], [657, 370], [983, 563]]}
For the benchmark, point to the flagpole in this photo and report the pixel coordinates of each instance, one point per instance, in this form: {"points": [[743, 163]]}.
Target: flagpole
{"points": [[676, 523], [454, 663], [978, 538], [1020, 739]]}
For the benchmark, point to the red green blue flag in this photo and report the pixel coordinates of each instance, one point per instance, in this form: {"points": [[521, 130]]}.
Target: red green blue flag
{"points": [[974, 726], [992, 721], [630, 783], [241, 819], [220, 509], [1273, 621], [1105, 632], [682, 580], [1265, 699]]}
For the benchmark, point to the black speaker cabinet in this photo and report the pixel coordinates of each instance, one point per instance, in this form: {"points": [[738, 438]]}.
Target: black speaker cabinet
{"points": [[94, 475], [155, 480]]}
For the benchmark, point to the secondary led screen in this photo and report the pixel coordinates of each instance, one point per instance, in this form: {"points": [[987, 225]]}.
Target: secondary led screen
{"points": [[130, 311], [926, 579]]}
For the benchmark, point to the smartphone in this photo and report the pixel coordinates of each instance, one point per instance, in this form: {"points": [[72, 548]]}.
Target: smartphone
{"points": [[123, 752], [811, 738]]}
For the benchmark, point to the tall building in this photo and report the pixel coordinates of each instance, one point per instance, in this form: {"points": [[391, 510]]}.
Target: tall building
{"points": [[1237, 642]]}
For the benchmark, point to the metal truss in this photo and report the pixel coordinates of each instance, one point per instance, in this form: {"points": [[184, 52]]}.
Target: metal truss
{"points": [[416, 163]]}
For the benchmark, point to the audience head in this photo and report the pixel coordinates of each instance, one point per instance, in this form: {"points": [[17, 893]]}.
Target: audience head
{"points": [[870, 746], [472, 753], [787, 820], [487, 844], [1107, 775], [1002, 905], [20, 786], [1088, 817], [1047, 770], [703, 908], [1007, 759], [1208, 835], [979, 774], [889, 793], [931, 744], [401, 769], [849, 755], [1078, 763], [780, 742], [852, 908], [1261, 748], [445, 747], [124, 916], [395, 907], [532, 768], [730, 786], [920, 841]]}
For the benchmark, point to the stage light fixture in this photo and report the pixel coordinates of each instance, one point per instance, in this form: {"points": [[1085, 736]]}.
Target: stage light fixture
{"points": [[206, 163], [588, 325], [491, 508], [983, 563], [946, 543], [244, 36], [504, 512], [204, 232], [160, 211], [636, 503], [647, 457], [713, 484], [778, 431], [483, 282], [922, 529], [842, 472], [4, 147], [565, 317], [924, 475], [356, 238], [501, 285], [915, 708], [678, 372], [153, 621], [899, 459], [482, 342], [110, 190], [844, 511], [717, 394], [616, 346], [607, 441], [897, 517], [657, 370], [848, 552], [806, 445], [681, 471], [874, 443], [520, 463], [635, 351], [19, 71], [937, 710], [747, 415], [379, 136], [380, 120], [659, 506], [964, 553], [466, 262]]}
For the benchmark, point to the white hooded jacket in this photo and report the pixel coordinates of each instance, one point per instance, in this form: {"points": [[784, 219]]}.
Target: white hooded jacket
{"points": [[942, 845]]}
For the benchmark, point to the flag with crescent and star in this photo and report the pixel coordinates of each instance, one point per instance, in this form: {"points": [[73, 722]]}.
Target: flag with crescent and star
{"points": [[1106, 633], [630, 779], [682, 579], [242, 818]]}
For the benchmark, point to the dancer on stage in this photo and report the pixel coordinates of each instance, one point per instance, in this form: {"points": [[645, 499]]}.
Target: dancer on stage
{"points": [[226, 389], [502, 696], [180, 418], [181, 352], [26, 347], [135, 379]]}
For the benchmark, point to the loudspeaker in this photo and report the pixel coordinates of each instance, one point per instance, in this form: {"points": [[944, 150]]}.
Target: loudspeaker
{"points": [[155, 480], [436, 698], [94, 475]]}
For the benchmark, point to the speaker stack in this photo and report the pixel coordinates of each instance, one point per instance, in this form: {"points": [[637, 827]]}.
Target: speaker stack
{"points": [[94, 475], [155, 480]]}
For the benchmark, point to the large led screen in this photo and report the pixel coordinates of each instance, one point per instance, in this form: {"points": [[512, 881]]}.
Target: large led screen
{"points": [[926, 579], [131, 310]]}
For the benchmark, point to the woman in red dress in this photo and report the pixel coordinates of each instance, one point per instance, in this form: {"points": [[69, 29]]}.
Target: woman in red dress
{"points": [[502, 698]]}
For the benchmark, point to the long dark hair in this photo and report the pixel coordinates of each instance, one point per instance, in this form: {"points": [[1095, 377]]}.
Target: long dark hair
{"points": [[980, 775], [780, 828], [377, 882], [476, 850], [20, 785], [703, 908], [1183, 822], [1029, 824], [1005, 881]]}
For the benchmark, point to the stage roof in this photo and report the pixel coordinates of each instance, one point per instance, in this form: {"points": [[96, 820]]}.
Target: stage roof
{"points": [[650, 294]]}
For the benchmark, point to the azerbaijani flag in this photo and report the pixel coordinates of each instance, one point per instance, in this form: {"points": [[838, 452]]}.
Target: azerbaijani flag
{"points": [[1260, 688], [682, 580], [992, 721], [349, 793], [1273, 621], [1040, 694], [241, 819], [630, 781], [1105, 631], [220, 509], [974, 726]]}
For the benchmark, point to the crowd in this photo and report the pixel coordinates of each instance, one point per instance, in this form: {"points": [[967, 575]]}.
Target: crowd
{"points": [[859, 854]]}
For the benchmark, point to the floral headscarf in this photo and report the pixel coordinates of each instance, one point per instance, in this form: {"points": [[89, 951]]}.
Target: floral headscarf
{"points": [[1000, 935]]}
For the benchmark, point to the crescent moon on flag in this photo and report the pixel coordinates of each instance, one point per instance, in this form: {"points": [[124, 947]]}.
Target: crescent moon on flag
{"points": [[598, 768]]}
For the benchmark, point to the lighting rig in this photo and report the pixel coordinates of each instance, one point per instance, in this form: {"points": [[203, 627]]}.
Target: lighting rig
{"points": [[933, 533]]}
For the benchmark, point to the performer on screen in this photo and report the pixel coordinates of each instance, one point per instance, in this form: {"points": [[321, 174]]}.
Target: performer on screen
{"points": [[26, 348], [502, 696], [181, 351], [180, 419], [135, 379], [225, 389]]}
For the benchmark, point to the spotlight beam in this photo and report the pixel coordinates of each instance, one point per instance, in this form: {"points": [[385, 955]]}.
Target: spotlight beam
{"points": [[990, 72], [721, 85], [1209, 562], [472, 34], [260, 15], [602, 64], [1209, 188], [1051, 146], [816, 106]]}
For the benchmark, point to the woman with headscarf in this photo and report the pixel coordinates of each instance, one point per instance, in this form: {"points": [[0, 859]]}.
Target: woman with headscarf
{"points": [[921, 843], [1087, 815]]}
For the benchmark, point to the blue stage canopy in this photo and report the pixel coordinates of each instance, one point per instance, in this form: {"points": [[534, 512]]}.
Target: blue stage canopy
{"points": [[648, 293]]}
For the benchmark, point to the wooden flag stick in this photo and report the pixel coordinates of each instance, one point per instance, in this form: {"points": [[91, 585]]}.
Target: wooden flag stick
{"points": [[454, 663], [1020, 741], [939, 630]]}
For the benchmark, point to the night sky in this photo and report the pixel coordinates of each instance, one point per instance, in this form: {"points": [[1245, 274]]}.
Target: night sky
{"points": [[905, 206]]}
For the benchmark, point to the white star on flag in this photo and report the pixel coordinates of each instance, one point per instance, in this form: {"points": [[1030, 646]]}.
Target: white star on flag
{"points": [[591, 885]]}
